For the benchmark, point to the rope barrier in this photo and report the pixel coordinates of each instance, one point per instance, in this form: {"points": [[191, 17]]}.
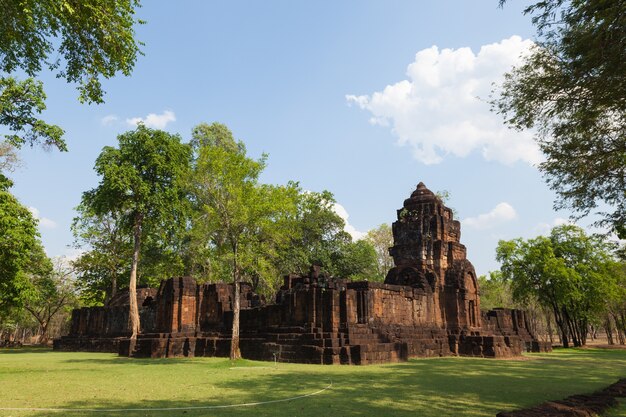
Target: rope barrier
{"points": [[206, 407]]}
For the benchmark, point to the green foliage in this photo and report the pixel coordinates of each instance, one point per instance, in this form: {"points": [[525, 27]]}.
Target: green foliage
{"points": [[19, 244], [572, 89], [28, 281], [381, 238], [104, 267], [568, 272], [356, 261], [214, 135], [317, 232], [82, 41], [616, 311], [201, 223], [52, 289], [316, 237], [495, 292], [142, 179], [240, 223], [20, 102]]}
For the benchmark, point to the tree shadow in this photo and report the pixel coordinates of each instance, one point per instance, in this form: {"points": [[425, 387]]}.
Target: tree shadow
{"points": [[426, 387], [25, 349]]}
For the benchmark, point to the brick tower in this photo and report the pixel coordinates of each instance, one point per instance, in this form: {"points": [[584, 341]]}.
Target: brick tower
{"points": [[427, 253]]}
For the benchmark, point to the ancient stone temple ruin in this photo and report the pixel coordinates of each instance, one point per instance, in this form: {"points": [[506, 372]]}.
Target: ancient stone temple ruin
{"points": [[429, 305]]}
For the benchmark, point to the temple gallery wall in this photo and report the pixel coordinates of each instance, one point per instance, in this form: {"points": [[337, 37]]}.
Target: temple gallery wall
{"points": [[429, 305]]}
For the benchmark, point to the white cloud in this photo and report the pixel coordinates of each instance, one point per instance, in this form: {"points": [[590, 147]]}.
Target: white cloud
{"points": [[440, 110], [348, 228], [544, 228], [72, 254], [501, 213], [43, 221], [109, 120], [157, 121]]}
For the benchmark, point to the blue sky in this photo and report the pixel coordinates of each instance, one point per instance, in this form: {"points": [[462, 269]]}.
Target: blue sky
{"points": [[363, 98]]}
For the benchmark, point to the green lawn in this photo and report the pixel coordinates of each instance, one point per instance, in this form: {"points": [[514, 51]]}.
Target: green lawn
{"points": [[425, 387]]}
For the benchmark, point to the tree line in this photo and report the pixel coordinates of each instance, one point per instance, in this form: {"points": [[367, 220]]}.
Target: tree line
{"points": [[572, 284]]}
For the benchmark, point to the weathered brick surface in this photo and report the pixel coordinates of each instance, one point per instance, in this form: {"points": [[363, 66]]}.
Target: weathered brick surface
{"points": [[429, 305]]}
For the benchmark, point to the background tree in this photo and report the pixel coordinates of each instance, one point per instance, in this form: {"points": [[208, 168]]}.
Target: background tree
{"points": [[8, 157], [381, 238], [572, 89], [567, 272], [19, 239], [317, 232], [615, 318], [52, 289], [495, 291], [82, 41], [107, 248], [238, 216], [317, 237], [142, 184], [355, 261]]}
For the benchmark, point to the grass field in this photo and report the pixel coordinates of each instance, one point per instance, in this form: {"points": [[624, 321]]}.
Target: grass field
{"points": [[421, 387]]}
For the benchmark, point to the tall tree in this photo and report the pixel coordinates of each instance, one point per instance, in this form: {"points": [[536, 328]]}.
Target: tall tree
{"points": [[238, 214], [52, 289], [82, 41], [567, 272], [142, 183], [18, 242], [572, 89]]}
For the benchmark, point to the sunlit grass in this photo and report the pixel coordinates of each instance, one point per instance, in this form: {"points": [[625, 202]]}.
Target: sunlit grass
{"points": [[426, 387], [619, 411]]}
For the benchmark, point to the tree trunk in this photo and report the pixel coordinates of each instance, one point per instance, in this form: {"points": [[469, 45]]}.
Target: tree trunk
{"points": [[43, 334], [561, 325], [608, 328], [235, 353], [132, 287], [113, 285], [549, 327]]}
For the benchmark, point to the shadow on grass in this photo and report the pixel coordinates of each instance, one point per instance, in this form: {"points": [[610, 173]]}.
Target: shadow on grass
{"points": [[425, 387], [26, 349], [215, 362]]}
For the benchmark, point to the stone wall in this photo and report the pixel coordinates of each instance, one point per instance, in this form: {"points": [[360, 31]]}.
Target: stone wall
{"points": [[100, 329]]}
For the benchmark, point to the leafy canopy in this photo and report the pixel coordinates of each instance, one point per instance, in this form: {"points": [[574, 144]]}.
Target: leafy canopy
{"points": [[381, 238], [572, 89], [567, 272], [81, 41], [19, 243], [241, 221], [143, 176]]}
